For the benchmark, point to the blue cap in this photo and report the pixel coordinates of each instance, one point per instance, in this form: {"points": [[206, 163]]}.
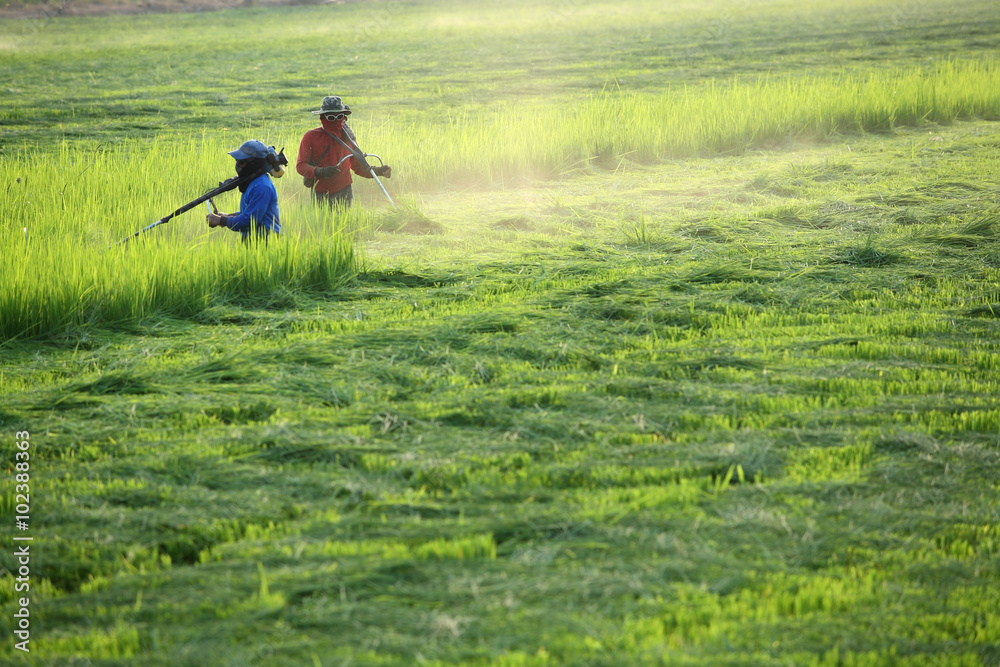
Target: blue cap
{"points": [[250, 149]]}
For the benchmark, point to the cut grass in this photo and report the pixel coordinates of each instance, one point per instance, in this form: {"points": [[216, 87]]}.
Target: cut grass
{"points": [[473, 462], [691, 413]]}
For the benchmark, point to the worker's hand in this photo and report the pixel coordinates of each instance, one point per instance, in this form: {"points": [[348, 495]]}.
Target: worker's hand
{"points": [[384, 171], [327, 172], [215, 220]]}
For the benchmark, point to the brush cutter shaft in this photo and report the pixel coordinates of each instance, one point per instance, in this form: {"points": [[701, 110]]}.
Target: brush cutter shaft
{"points": [[359, 155], [375, 176], [224, 186]]}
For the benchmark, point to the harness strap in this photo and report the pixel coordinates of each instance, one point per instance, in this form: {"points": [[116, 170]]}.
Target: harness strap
{"points": [[353, 150]]}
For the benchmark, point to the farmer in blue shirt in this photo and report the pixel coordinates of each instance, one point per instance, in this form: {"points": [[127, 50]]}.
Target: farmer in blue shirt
{"points": [[258, 214]]}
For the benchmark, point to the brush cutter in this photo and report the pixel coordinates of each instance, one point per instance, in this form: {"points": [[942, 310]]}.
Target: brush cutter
{"points": [[352, 145], [375, 176], [274, 165]]}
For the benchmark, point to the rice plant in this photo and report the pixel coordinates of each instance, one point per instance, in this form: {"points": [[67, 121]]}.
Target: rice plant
{"points": [[64, 213], [66, 265]]}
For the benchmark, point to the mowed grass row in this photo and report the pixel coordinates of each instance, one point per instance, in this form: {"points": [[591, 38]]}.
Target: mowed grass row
{"points": [[737, 410], [443, 472], [64, 213]]}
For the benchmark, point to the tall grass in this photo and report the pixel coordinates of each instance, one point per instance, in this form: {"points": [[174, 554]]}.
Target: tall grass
{"points": [[717, 118], [60, 212], [57, 284], [61, 268]]}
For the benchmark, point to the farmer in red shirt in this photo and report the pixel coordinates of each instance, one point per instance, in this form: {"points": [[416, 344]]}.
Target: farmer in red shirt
{"points": [[324, 147]]}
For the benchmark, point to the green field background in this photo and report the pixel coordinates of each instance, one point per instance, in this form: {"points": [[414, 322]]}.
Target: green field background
{"points": [[678, 346]]}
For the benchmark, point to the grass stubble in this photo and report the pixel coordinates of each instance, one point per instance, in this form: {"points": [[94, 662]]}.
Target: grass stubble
{"points": [[692, 409]]}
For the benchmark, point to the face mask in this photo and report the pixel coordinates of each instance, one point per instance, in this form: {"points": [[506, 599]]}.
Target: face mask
{"points": [[249, 167], [334, 126]]}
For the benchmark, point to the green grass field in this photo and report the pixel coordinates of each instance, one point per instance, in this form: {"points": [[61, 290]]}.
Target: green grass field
{"points": [[680, 347]]}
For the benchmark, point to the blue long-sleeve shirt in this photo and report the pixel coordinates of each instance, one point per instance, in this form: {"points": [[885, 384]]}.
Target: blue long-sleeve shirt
{"points": [[258, 209]]}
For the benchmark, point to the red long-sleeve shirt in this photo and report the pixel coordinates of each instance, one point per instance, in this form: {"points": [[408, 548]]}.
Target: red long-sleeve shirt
{"points": [[314, 144]]}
